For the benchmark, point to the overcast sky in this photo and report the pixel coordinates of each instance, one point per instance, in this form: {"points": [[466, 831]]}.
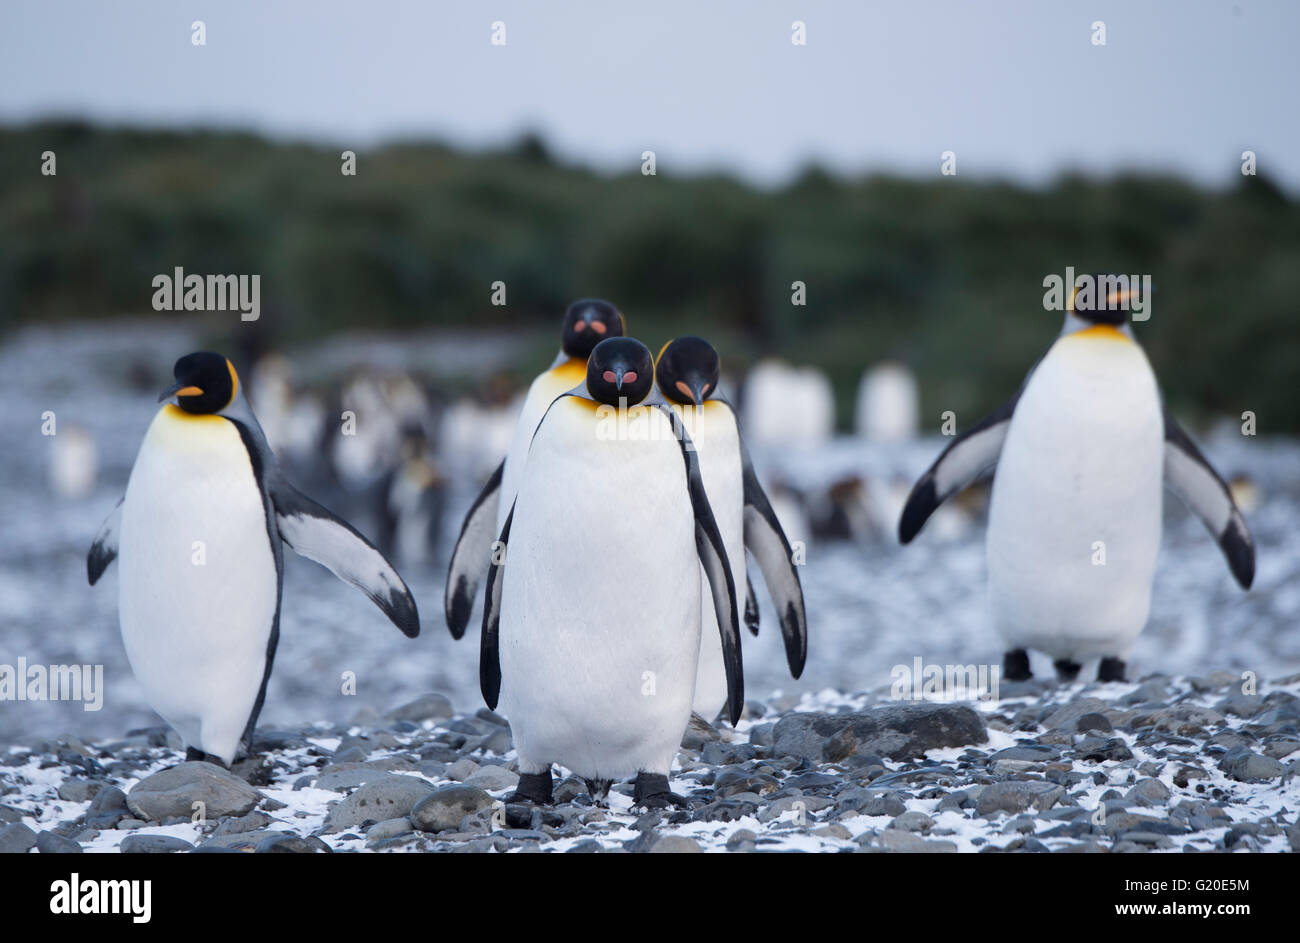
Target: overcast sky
{"points": [[1016, 89]]}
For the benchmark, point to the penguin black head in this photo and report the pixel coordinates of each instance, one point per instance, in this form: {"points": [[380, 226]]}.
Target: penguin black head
{"points": [[687, 370], [620, 368], [1106, 303], [587, 323], [205, 383]]}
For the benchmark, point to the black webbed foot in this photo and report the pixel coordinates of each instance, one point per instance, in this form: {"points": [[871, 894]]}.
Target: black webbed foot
{"points": [[1066, 670], [534, 788], [198, 756], [650, 790], [1111, 669], [1015, 665]]}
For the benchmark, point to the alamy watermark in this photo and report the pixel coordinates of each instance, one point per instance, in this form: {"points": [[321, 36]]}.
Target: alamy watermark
{"points": [[921, 682], [76, 896], [181, 292], [1130, 293], [643, 423], [24, 682]]}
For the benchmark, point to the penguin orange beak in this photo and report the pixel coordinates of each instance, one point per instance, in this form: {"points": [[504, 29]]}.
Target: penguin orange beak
{"points": [[695, 391], [179, 389]]}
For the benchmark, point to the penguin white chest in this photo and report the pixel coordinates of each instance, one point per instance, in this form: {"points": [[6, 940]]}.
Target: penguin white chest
{"points": [[554, 382], [199, 586], [600, 604], [1074, 523], [717, 444]]}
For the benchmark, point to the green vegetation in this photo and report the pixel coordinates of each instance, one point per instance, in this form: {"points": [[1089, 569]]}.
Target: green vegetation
{"points": [[944, 274]]}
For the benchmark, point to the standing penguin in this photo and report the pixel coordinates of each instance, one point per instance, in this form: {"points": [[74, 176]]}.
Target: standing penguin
{"points": [[199, 533], [591, 623], [1075, 515], [687, 373], [586, 324]]}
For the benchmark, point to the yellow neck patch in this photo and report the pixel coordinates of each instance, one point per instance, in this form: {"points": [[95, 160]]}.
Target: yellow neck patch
{"points": [[573, 371], [1103, 332], [172, 411], [594, 407]]}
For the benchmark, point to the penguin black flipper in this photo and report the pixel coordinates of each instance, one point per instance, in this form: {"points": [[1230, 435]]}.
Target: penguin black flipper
{"points": [[311, 531], [104, 549], [470, 555], [713, 557], [766, 540], [751, 606], [969, 457], [489, 653], [1190, 476]]}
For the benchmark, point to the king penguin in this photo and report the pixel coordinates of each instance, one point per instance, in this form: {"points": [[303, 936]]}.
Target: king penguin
{"points": [[199, 532], [586, 324], [687, 373], [592, 617], [1080, 454]]}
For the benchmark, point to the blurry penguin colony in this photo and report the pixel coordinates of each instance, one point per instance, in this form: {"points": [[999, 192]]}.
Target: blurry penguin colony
{"points": [[389, 447]]}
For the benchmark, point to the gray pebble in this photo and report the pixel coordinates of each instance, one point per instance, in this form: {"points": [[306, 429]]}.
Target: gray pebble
{"points": [[913, 822], [1148, 792], [137, 844], [1093, 721], [426, 707], [392, 796]]}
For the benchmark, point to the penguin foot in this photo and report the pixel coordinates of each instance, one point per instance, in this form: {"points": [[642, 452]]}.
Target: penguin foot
{"points": [[1066, 670], [198, 756], [598, 789], [534, 788], [1110, 669], [650, 790], [1015, 665]]}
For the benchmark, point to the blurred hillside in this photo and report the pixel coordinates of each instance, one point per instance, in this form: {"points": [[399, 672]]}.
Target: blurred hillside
{"points": [[943, 274]]}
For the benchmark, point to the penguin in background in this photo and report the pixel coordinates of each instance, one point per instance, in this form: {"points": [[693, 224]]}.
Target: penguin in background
{"points": [[476, 429], [199, 533], [591, 623], [888, 405], [1081, 452], [687, 373], [409, 501], [586, 323], [74, 463], [788, 407], [384, 404]]}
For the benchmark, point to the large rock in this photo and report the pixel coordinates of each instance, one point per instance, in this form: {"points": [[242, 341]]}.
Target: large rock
{"points": [[16, 839], [388, 798], [493, 779], [107, 808], [446, 807], [50, 843], [174, 792], [899, 731]]}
